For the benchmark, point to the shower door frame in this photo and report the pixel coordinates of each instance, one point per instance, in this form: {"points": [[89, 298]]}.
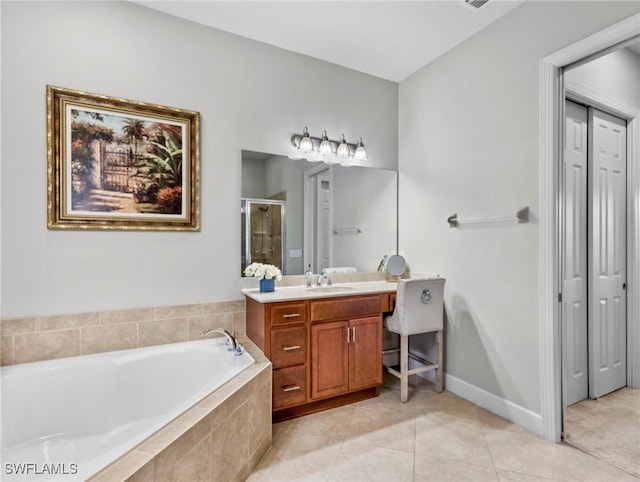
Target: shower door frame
{"points": [[246, 205]]}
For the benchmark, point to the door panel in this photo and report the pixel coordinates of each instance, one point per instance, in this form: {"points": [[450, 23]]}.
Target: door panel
{"points": [[365, 352], [329, 359], [323, 233], [574, 269], [607, 254]]}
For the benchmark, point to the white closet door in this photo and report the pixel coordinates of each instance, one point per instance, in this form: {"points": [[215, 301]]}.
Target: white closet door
{"points": [[607, 253], [574, 269], [324, 219]]}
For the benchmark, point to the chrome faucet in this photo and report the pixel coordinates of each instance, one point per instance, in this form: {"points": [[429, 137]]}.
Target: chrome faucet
{"points": [[320, 278], [308, 277], [234, 346]]}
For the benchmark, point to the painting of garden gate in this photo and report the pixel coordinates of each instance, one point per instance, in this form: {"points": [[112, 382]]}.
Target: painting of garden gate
{"points": [[124, 165]]}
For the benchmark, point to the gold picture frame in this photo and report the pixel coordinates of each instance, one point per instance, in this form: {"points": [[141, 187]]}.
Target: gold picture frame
{"points": [[118, 164]]}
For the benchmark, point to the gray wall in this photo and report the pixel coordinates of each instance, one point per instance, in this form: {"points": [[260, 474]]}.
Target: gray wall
{"points": [[366, 198], [468, 144], [250, 96], [616, 75], [284, 174], [253, 179]]}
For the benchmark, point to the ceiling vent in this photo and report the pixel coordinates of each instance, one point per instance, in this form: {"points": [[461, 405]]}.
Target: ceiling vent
{"points": [[476, 3]]}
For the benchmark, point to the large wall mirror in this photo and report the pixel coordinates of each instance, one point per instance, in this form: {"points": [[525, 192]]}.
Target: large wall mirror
{"points": [[297, 213]]}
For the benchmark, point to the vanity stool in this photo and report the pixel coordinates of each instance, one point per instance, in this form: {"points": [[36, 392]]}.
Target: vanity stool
{"points": [[419, 309]]}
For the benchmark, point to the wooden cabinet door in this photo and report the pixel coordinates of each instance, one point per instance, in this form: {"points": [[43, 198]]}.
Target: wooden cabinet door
{"points": [[365, 352], [329, 359]]}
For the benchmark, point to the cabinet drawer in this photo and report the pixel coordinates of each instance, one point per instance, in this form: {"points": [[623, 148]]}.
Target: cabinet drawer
{"points": [[289, 386], [337, 309], [284, 313], [289, 346]]}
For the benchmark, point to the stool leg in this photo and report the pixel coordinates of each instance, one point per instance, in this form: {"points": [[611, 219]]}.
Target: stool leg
{"points": [[404, 368], [439, 349]]}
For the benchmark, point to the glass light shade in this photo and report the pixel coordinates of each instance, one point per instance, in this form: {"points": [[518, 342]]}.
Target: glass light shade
{"points": [[306, 144], [361, 152], [343, 152], [325, 148]]}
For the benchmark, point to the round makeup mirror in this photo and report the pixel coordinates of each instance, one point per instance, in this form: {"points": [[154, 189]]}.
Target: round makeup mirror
{"points": [[396, 265]]}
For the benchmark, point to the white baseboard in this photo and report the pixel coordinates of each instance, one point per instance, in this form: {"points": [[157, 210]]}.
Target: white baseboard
{"points": [[504, 408]]}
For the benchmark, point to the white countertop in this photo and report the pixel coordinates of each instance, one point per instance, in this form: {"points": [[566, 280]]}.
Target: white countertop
{"points": [[288, 293]]}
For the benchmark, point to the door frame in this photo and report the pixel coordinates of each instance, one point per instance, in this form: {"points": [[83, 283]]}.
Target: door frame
{"points": [[551, 129]]}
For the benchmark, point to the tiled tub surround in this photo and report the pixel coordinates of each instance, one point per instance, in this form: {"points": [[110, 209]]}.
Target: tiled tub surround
{"points": [[219, 438], [32, 339]]}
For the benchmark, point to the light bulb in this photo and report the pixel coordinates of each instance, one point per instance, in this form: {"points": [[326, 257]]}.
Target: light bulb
{"points": [[325, 148], [306, 144], [343, 152], [361, 152]]}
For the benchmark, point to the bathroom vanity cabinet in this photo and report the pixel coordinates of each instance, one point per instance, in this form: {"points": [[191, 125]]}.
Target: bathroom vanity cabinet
{"points": [[325, 352]]}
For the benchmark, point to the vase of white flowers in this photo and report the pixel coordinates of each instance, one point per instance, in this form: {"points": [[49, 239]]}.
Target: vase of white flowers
{"points": [[266, 273]]}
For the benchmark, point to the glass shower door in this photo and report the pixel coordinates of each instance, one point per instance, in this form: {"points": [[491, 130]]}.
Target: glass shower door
{"points": [[263, 232]]}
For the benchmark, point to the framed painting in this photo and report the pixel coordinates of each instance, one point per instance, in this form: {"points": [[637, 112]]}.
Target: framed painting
{"points": [[118, 164]]}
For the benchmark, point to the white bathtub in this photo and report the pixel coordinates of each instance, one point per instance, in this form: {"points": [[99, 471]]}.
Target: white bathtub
{"points": [[76, 415]]}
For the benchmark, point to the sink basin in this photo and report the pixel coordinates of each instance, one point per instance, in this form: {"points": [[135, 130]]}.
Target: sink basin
{"points": [[330, 289]]}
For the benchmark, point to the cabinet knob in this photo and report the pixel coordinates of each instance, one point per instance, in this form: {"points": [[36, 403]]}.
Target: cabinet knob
{"points": [[292, 347], [291, 315]]}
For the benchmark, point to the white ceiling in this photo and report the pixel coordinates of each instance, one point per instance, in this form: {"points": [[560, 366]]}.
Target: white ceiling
{"points": [[387, 39]]}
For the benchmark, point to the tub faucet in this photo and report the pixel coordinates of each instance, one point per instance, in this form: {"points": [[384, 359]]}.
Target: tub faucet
{"points": [[234, 346]]}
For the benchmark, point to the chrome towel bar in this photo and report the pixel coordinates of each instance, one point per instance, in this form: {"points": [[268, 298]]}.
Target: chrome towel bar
{"points": [[522, 216]]}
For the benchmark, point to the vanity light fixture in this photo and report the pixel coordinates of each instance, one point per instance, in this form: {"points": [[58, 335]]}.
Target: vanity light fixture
{"points": [[323, 149]]}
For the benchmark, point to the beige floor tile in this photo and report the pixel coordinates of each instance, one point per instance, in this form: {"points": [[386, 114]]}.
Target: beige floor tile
{"points": [[357, 462], [433, 468], [335, 421], [278, 465], [298, 442], [608, 428], [389, 401], [276, 428], [490, 421], [383, 429], [616, 448], [506, 476], [451, 439], [449, 404], [527, 454]]}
